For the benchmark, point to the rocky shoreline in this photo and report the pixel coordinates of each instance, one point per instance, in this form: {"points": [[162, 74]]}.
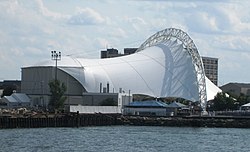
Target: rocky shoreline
{"points": [[190, 121]]}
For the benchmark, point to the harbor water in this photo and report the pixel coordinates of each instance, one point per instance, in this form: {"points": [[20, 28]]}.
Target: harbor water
{"points": [[125, 139]]}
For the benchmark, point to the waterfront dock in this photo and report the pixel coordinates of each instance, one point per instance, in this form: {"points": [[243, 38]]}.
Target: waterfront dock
{"points": [[63, 120], [82, 120]]}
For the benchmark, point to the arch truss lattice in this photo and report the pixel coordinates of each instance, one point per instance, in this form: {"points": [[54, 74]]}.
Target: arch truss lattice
{"points": [[170, 33]]}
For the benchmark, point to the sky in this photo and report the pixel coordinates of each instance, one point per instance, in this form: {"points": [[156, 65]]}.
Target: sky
{"points": [[31, 29]]}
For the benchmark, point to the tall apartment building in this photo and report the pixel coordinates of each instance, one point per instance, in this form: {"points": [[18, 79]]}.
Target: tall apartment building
{"points": [[211, 68], [210, 64]]}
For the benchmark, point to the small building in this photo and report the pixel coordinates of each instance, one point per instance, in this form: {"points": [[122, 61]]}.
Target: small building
{"points": [[177, 108], [176, 105], [146, 108], [101, 103], [155, 108], [16, 100], [236, 88]]}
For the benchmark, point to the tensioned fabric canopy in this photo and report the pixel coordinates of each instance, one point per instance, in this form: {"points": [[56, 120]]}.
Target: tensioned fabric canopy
{"points": [[166, 65], [164, 70]]}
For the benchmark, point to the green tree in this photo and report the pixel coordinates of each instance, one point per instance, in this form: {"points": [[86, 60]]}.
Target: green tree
{"points": [[242, 99], [8, 91], [223, 102], [57, 90]]}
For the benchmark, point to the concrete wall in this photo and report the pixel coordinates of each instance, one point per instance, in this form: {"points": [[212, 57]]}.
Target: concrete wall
{"points": [[91, 103], [95, 109], [35, 82]]}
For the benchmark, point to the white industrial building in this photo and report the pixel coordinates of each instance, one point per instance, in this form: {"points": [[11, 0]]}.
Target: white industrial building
{"points": [[165, 65]]}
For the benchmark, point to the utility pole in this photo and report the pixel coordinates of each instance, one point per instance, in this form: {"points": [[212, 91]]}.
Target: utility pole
{"points": [[57, 57], [42, 97]]}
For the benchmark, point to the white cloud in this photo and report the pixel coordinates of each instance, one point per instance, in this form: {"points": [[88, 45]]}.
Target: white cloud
{"points": [[48, 13], [118, 33], [10, 6], [245, 56], [137, 23], [102, 43], [234, 19], [232, 43], [202, 22], [86, 16], [135, 20]]}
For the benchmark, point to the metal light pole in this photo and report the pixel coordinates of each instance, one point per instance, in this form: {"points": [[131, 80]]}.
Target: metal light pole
{"points": [[56, 56]]}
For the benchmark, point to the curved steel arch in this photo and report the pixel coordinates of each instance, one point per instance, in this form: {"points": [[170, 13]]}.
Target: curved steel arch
{"points": [[167, 34]]}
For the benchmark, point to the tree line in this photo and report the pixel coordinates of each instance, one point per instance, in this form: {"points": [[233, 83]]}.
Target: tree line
{"points": [[226, 101]]}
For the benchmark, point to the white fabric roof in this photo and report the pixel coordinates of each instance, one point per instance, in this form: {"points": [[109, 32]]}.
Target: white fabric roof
{"points": [[212, 89], [246, 105], [163, 70]]}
